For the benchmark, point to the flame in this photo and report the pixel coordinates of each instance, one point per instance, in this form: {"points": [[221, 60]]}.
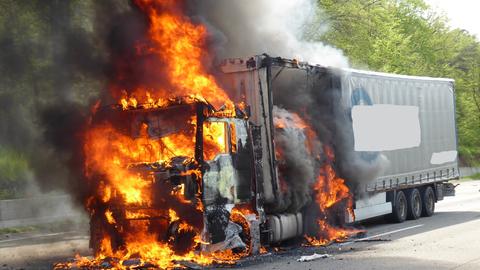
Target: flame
{"points": [[292, 120], [214, 134], [238, 215], [109, 216], [181, 45], [173, 215], [110, 152], [330, 190]]}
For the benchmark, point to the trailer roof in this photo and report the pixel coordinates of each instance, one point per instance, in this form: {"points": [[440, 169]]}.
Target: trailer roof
{"points": [[242, 64], [391, 75], [297, 64]]}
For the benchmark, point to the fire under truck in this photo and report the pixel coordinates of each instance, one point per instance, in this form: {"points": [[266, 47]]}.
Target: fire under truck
{"points": [[407, 121]]}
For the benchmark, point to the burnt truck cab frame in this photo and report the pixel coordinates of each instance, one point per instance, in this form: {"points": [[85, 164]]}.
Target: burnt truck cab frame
{"points": [[222, 152]]}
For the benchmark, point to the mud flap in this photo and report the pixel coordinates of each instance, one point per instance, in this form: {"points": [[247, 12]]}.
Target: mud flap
{"points": [[448, 189]]}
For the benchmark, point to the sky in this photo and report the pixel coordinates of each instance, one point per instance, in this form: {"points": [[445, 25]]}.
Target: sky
{"points": [[464, 14]]}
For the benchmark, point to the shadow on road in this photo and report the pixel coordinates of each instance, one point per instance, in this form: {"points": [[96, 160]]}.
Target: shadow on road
{"points": [[437, 221]]}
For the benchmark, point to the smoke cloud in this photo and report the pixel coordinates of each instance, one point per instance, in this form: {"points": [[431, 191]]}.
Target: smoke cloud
{"points": [[52, 73], [252, 27], [297, 165]]}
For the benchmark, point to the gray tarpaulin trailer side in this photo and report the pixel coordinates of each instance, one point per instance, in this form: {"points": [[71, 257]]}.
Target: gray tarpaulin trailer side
{"points": [[417, 115], [434, 98]]}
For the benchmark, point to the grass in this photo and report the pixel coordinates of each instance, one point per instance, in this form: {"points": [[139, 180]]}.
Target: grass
{"points": [[21, 229], [468, 178], [473, 177], [47, 227], [13, 168]]}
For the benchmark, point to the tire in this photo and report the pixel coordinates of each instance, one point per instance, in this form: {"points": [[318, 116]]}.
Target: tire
{"points": [[399, 208], [241, 220], [99, 229], [428, 202], [414, 199]]}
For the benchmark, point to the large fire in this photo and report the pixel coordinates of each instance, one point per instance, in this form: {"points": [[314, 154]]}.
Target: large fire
{"points": [[157, 223], [330, 191], [180, 44]]}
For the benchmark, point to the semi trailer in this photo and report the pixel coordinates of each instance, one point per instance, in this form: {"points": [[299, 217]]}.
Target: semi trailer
{"points": [[399, 130]]}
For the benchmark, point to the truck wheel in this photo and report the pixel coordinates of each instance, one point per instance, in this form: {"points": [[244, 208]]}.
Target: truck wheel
{"points": [[414, 204], [97, 233], [428, 202], [399, 210], [242, 221]]}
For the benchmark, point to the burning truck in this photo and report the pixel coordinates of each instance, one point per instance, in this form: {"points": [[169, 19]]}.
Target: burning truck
{"points": [[194, 178], [202, 168]]}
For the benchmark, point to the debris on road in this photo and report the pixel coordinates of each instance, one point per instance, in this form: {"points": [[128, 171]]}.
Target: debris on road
{"points": [[365, 240], [313, 257]]}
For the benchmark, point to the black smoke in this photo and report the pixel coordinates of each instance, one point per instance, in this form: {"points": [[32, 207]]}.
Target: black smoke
{"points": [[55, 61], [316, 95], [297, 165]]}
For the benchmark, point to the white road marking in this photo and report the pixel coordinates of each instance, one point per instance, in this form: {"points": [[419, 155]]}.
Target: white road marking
{"points": [[382, 234]]}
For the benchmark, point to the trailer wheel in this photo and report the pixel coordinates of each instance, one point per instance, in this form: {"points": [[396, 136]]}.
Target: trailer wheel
{"points": [[428, 202], [414, 204], [399, 210]]}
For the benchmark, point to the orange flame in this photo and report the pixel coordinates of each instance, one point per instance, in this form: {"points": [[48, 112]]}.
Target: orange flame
{"points": [[330, 190], [179, 43], [215, 139]]}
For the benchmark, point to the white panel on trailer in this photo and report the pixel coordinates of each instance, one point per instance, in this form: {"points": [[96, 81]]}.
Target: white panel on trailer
{"points": [[372, 205], [381, 127], [373, 211]]}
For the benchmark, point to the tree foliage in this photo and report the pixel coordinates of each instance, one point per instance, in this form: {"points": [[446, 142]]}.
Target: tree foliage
{"points": [[43, 64]]}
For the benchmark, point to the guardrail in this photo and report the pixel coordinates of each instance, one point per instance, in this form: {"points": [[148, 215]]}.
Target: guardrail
{"points": [[468, 171], [37, 210]]}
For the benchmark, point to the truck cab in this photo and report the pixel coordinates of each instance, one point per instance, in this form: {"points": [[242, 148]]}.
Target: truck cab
{"points": [[194, 159]]}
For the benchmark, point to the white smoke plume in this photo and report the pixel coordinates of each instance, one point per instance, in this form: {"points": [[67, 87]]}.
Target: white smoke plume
{"points": [[250, 27]]}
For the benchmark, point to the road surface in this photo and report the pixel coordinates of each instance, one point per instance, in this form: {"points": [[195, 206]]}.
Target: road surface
{"points": [[448, 240]]}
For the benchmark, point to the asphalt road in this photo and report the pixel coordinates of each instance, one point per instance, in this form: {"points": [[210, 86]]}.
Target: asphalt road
{"points": [[448, 240]]}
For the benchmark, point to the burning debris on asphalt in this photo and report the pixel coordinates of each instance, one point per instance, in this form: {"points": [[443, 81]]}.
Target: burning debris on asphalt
{"points": [[181, 173]]}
